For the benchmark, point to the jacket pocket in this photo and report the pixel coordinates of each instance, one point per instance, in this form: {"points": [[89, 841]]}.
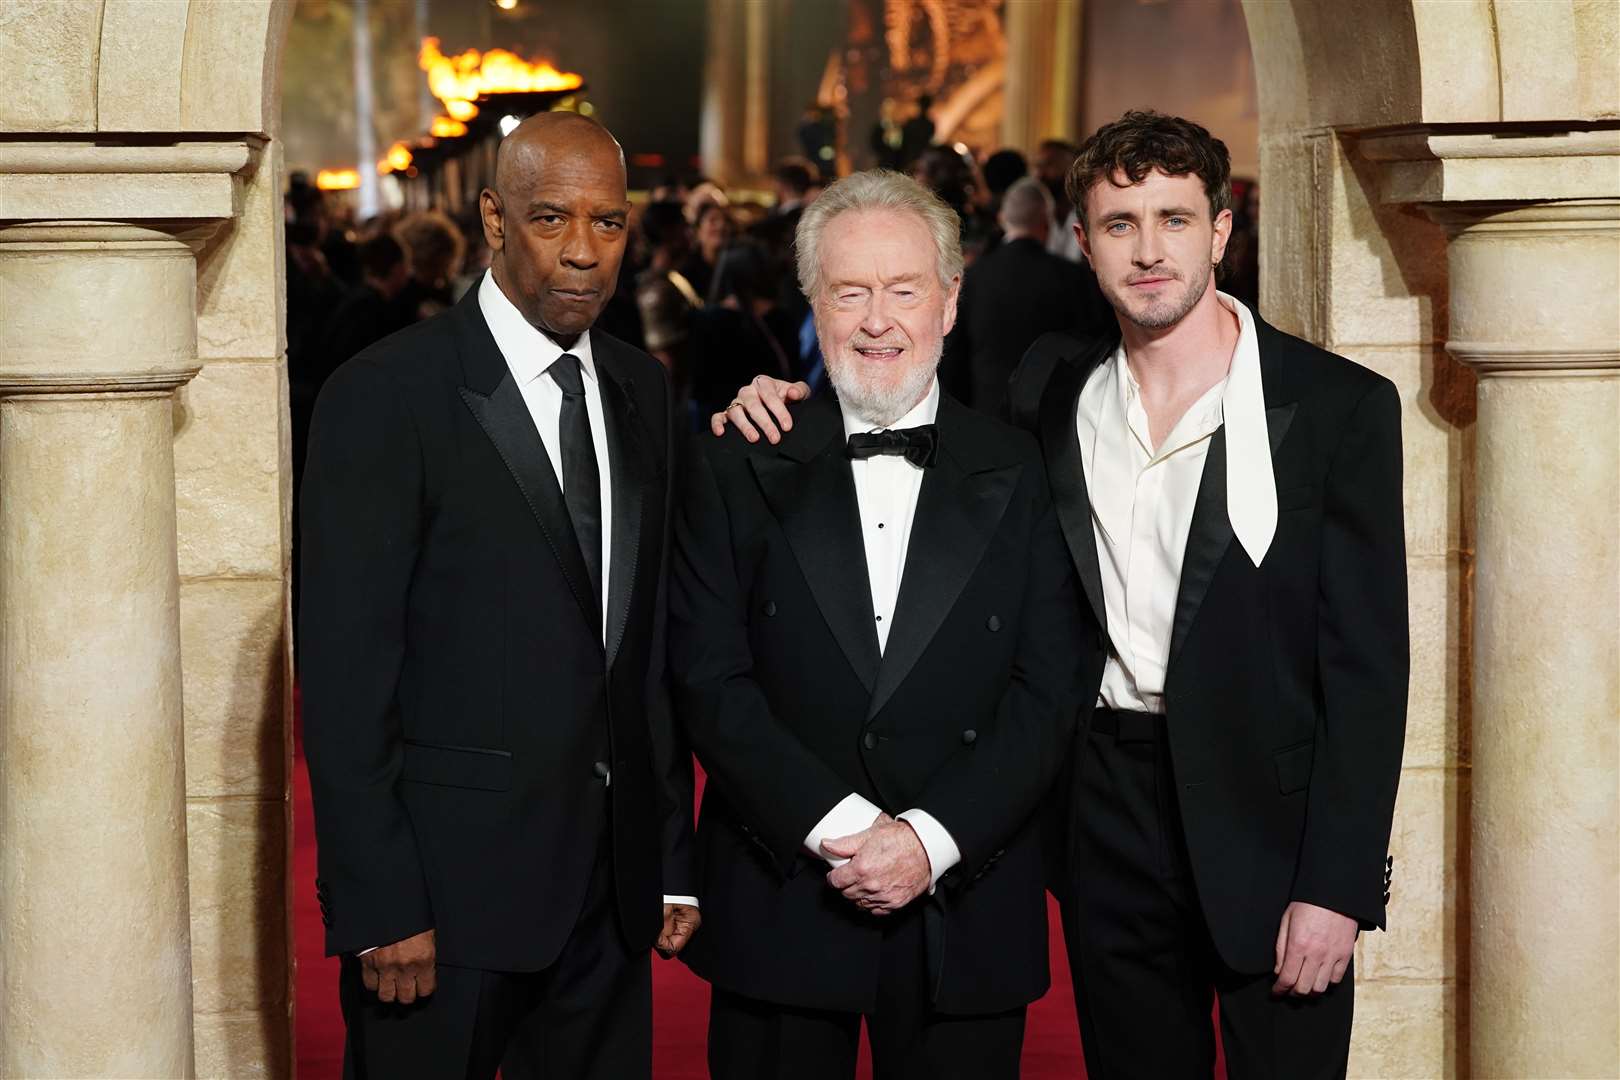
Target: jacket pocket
{"points": [[457, 766], [1294, 767]]}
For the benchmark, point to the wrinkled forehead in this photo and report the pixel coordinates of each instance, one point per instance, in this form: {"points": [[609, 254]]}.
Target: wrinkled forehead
{"points": [[877, 244]]}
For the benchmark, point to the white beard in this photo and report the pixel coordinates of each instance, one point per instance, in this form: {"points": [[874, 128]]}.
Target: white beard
{"points": [[880, 402]]}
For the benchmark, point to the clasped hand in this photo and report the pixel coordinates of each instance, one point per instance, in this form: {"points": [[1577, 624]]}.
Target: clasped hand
{"points": [[887, 868]]}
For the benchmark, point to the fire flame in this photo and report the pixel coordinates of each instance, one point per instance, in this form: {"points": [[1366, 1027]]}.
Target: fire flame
{"points": [[460, 80], [446, 128], [337, 179], [397, 160]]}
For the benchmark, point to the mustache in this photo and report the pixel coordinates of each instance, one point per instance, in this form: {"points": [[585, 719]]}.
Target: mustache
{"points": [[1156, 272], [864, 342]]}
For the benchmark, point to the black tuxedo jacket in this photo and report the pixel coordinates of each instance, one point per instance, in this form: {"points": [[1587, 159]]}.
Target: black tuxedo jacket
{"points": [[458, 697], [1012, 295], [1286, 689], [780, 685]]}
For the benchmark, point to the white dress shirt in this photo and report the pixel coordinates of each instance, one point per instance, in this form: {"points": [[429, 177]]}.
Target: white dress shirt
{"points": [[886, 489], [1142, 501], [529, 354]]}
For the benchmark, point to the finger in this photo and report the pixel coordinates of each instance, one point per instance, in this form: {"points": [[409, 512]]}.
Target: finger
{"points": [[772, 399], [798, 391], [717, 423], [1340, 968], [1282, 942], [1292, 961], [1324, 977], [427, 980], [405, 990], [1307, 976], [678, 940], [739, 419], [385, 986], [368, 974], [842, 877], [842, 847]]}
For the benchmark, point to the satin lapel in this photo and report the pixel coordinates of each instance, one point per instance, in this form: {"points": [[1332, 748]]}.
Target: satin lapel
{"points": [[813, 499], [506, 420], [1211, 531], [957, 514], [1066, 473], [632, 475]]}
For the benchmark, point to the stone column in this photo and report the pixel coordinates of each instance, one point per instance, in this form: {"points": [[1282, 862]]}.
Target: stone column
{"points": [[99, 330], [1534, 311], [1041, 97]]}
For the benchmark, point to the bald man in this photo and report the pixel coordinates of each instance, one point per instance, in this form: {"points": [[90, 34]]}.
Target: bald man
{"points": [[503, 812]]}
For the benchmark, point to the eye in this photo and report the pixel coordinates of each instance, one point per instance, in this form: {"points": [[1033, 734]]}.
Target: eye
{"points": [[1117, 228], [610, 224], [1176, 222], [549, 219]]}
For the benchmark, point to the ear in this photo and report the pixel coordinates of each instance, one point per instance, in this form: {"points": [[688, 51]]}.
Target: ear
{"points": [[490, 213], [1080, 236], [1222, 233], [951, 296]]}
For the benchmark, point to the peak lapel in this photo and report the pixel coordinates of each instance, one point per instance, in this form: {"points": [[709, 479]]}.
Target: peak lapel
{"points": [[812, 493], [958, 510], [633, 474], [1066, 473], [1211, 531], [501, 411]]}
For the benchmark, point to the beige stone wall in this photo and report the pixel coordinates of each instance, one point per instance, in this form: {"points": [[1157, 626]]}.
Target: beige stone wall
{"points": [[1367, 191], [183, 96]]}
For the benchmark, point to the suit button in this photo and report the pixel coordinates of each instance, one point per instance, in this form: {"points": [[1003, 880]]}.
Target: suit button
{"points": [[994, 623], [869, 741], [601, 770], [969, 737], [770, 608]]}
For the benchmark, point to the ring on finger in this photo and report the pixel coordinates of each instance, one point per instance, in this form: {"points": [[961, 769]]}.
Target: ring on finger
{"points": [[734, 405]]}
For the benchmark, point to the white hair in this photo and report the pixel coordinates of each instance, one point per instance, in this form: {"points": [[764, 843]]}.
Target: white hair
{"points": [[1027, 205], [877, 189]]}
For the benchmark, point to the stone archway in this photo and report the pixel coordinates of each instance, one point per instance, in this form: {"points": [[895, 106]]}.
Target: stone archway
{"points": [[1432, 178], [144, 697]]}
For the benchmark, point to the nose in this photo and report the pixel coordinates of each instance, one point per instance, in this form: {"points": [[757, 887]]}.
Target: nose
{"points": [[1149, 249], [580, 245], [876, 319]]}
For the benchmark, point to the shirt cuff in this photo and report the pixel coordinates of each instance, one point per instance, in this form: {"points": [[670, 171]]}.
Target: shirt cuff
{"points": [[936, 841], [363, 952], [853, 814], [689, 901]]}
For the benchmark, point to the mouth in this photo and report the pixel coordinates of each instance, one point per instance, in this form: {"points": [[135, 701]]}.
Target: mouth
{"points": [[1149, 282], [879, 353], [575, 296]]}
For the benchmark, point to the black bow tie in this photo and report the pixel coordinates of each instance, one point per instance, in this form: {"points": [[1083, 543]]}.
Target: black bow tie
{"points": [[918, 445]]}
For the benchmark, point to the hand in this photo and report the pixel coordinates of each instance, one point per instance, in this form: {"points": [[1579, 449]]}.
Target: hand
{"points": [[761, 402], [1314, 946], [680, 923], [887, 869], [402, 971]]}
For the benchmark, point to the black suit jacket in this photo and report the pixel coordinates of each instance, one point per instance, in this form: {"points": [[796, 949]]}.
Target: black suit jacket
{"points": [[1286, 687], [457, 692], [790, 707], [1012, 295]]}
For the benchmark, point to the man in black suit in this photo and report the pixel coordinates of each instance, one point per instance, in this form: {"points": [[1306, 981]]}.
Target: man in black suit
{"points": [[1231, 497], [1016, 292], [502, 812], [872, 634]]}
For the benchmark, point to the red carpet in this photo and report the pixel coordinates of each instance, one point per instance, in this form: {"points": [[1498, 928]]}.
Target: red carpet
{"points": [[681, 999]]}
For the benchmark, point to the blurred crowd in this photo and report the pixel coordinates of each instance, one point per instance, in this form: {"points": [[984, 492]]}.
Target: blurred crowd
{"points": [[708, 284]]}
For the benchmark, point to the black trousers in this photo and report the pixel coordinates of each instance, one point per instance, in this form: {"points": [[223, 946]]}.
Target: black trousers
{"points": [[751, 1039], [1145, 970], [586, 1017]]}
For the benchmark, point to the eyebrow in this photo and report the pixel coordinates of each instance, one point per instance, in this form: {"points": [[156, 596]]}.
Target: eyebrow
{"points": [[615, 213]]}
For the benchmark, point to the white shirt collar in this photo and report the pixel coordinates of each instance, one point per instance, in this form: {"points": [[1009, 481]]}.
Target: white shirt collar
{"points": [[528, 351], [924, 412], [1239, 403], [1251, 483]]}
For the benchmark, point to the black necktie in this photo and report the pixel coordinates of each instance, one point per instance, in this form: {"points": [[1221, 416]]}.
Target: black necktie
{"points": [[582, 482], [918, 445]]}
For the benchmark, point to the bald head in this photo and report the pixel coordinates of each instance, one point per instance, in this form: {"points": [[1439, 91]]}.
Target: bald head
{"points": [[1026, 210], [555, 221], [521, 158]]}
